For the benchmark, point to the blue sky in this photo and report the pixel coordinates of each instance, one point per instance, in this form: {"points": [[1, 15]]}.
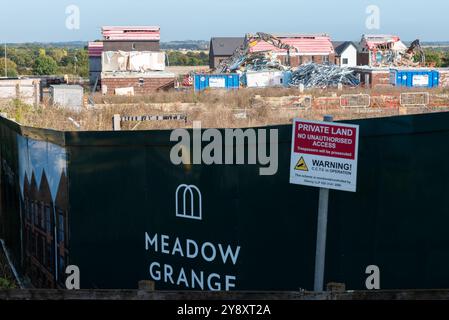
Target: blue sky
{"points": [[45, 20]]}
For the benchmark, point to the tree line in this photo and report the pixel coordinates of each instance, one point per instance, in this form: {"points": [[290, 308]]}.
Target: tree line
{"points": [[436, 57], [39, 60], [22, 60], [35, 60], [189, 58]]}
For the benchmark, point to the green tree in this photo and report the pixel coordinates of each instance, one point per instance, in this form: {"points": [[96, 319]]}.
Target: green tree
{"points": [[445, 60], [433, 57], [190, 58], [22, 58], [57, 54], [11, 68], [76, 62], [45, 65], [42, 52]]}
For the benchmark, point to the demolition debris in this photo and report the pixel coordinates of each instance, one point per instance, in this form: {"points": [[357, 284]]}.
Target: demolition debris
{"points": [[244, 59], [390, 51], [314, 75]]}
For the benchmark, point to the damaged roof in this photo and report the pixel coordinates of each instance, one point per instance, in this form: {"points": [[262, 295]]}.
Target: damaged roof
{"points": [[306, 44], [373, 40]]}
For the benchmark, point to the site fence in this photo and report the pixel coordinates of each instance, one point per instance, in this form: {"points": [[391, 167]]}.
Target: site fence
{"points": [[303, 102], [381, 101], [415, 99], [355, 101], [106, 201]]}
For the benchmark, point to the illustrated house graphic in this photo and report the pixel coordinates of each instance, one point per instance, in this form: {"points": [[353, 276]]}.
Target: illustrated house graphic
{"points": [[189, 202], [39, 232], [45, 239]]}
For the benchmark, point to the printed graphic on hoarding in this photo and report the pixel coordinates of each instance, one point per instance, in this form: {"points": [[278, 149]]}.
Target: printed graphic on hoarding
{"points": [[197, 256], [44, 203], [324, 155], [189, 202], [193, 252]]}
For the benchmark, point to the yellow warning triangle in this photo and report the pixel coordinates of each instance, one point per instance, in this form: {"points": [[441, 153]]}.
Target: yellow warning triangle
{"points": [[301, 166]]}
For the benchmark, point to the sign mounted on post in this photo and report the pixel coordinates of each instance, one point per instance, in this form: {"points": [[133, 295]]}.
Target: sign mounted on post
{"points": [[324, 155]]}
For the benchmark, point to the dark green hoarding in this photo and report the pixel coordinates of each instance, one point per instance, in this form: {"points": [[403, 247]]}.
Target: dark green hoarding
{"points": [[115, 205]]}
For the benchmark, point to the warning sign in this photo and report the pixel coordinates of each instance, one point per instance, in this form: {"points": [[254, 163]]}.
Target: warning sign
{"points": [[324, 155], [301, 166]]}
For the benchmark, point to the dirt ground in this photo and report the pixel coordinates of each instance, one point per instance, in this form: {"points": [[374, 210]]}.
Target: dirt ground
{"points": [[218, 109]]}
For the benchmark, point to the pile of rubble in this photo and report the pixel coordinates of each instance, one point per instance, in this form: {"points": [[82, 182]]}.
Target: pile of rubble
{"points": [[262, 61], [246, 59], [314, 75], [257, 61]]}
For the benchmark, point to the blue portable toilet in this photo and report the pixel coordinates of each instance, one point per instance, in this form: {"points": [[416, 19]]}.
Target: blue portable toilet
{"points": [[414, 78], [216, 81]]}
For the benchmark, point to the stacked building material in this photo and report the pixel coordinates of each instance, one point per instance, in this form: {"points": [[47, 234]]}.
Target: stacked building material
{"points": [[148, 33], [314, 75], [131, 38], [95, 49]]}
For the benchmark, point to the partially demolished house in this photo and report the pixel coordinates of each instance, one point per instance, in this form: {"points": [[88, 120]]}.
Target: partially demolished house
{"points": [[379, 53], [266, 60], [382, 50], [131, 61], [309, 48]]}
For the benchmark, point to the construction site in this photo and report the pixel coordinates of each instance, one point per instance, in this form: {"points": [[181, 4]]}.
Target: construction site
{"points": [[258, 80], [88, 180]]}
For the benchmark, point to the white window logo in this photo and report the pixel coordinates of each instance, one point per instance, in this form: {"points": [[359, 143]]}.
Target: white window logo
{"points": [[191, 202]]}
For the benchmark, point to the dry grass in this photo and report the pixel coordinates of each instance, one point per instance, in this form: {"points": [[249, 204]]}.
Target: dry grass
{"points": [[215, 109]]}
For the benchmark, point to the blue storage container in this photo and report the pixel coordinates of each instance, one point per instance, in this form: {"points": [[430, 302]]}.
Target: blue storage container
{"points": [[414, 78], [217, 81], [287, 78]]}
